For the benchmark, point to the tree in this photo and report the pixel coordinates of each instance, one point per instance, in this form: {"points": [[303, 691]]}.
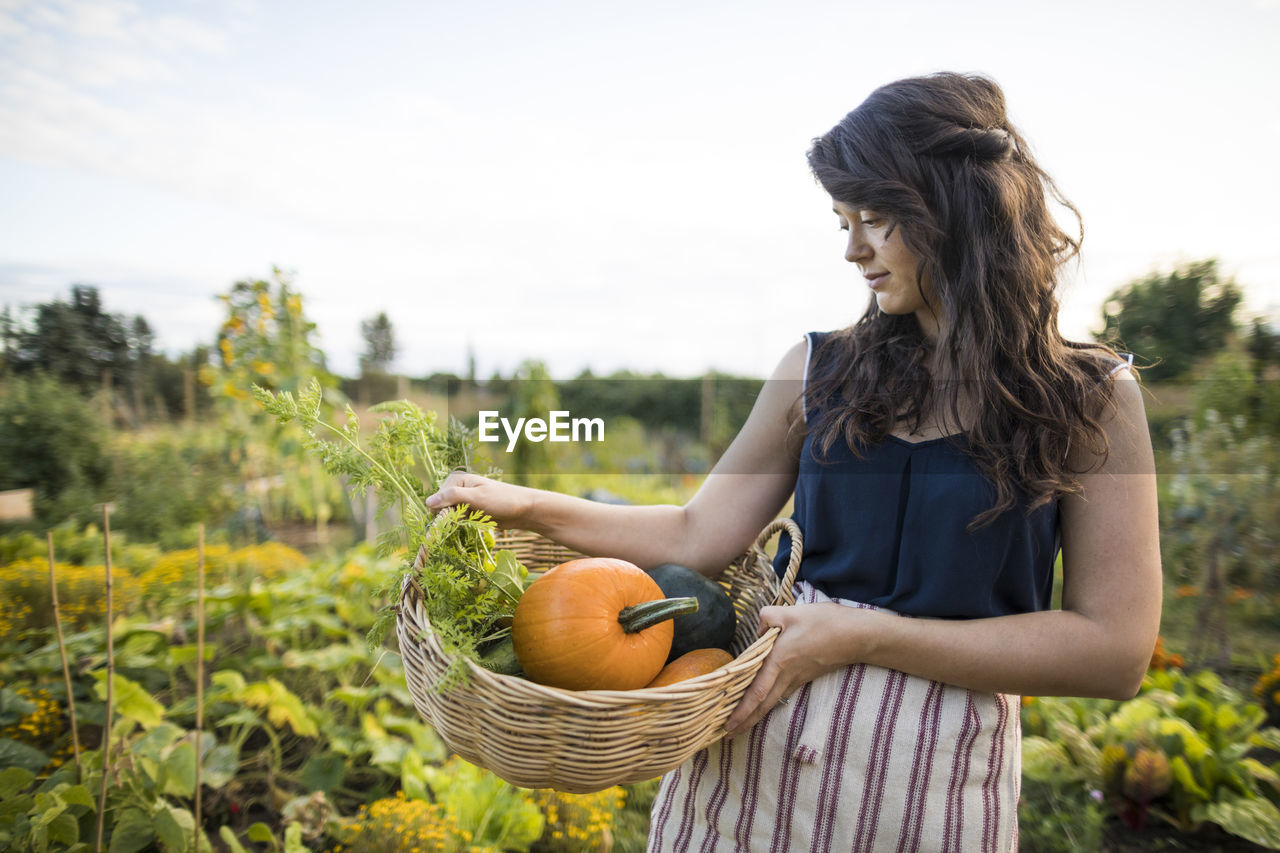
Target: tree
{"points": [[1174, 319], [8, 339], [81, 345], [380, 344], [53, 441], [1263, 345]]}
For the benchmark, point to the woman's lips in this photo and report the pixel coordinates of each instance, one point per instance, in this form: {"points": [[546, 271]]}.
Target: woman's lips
{"points": [[875, 280]]}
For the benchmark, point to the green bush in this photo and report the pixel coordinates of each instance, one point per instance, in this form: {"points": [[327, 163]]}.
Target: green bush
{"points": [[168, 481], [52, 441], [1188, 751]]}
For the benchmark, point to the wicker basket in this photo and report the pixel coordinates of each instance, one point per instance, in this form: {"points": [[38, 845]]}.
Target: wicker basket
{"points": [[581, 741]]}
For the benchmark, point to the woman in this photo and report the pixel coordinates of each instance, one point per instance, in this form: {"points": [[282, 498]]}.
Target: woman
{"points": [[940, 451]]}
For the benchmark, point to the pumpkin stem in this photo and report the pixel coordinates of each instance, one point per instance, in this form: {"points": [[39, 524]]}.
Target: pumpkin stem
{"points": [[646, 614]]}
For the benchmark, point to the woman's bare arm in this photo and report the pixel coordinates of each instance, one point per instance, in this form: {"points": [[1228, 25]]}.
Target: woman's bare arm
{"points": [[1099, 644], [744, 492]]}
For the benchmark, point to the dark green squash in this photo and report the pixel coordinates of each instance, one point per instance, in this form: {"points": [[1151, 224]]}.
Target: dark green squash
{"points": [[500, 657], [713, 626]]}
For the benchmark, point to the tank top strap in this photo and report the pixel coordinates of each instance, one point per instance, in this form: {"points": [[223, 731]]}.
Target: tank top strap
{"points": [[1126, 362]]}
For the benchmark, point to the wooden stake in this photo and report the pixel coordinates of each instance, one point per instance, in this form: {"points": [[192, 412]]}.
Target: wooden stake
{"points": [[62, 650], [199, 668], [111, 676]]}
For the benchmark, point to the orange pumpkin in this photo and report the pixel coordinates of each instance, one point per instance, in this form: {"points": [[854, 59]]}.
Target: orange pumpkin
{"points": [[595, 624], [690, 665]]}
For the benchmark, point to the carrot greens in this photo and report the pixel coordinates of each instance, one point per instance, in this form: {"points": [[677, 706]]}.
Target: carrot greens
{"points": [[469, 588]]}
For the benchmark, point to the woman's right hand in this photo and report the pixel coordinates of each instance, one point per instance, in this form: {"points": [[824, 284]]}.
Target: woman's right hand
{"points": [[507, 504]]}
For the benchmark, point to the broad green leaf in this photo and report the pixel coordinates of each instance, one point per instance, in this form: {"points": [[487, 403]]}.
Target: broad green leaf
{"points": [[322, 772], [19, 805], [286, 708], [261, 833], [388, 753], [180, 770], [64, 830], [230, 680], [131, 700], [183, 655], [17, 754], [153, 744], [412, 777], [1184, 779], [329, 659], [142, 650], [1082, 750], [1268, 738], [13, 780], [229, 838], [77, 795], [48, 807], [355, 698], [1044, 760], [372, 729], [283, 707], [1178, 736], [220, 766], [498, 814], [293, 839], [241, 717], [133, 831], [1255, 820], [1131, 718], [508, 575], [13, 707], [176, 829], [425, 741]]}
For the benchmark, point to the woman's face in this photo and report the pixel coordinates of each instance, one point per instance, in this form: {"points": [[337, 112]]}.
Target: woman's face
{"points": [[887, 265]]}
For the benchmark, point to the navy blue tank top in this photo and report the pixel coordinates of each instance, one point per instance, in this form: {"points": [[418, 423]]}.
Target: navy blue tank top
{"points": [[889, 529]]}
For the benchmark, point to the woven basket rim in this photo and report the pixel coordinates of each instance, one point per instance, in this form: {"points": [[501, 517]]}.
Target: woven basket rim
{"points": [[646, 695]]}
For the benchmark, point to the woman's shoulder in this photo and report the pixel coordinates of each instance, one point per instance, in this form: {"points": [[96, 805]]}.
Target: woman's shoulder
{"points": [[1102, 361]]}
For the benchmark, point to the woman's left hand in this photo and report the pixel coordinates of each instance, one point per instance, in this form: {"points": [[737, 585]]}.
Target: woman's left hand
{"points": [[814, 640]]}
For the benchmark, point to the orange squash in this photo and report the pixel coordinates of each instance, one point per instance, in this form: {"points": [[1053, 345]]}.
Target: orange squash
{"points": [[690, 665], [595, 623]]}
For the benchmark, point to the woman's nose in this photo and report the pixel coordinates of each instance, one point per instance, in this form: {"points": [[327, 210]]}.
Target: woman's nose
{"points": [[857, 249]]}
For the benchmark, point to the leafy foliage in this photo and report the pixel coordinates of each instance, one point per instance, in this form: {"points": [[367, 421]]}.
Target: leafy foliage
{"points": [[1173, 319], [469, 590], [1219, 528], [54, 442], [1188, 750], [303, 726], [79, 343], [379, 342]]}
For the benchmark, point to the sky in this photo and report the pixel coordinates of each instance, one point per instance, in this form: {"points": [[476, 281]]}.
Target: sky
{"points": [[591, 184]]}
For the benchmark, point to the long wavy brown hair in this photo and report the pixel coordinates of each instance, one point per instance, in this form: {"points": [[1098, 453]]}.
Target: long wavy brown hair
{"points": [[938, 158]]}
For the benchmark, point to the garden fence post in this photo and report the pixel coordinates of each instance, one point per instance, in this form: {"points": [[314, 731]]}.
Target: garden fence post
{"points": [[199, 833], [111, 676], [62, 651]]}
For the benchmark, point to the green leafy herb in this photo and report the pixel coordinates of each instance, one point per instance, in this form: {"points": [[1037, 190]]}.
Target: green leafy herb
{"points": [[469, 589]]}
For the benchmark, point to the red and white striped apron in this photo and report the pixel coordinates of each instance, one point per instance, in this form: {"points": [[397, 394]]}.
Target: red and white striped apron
{"points": [[862, 759]]}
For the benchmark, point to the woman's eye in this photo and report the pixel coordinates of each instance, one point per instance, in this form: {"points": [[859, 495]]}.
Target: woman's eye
{"points": [[871, 223]]}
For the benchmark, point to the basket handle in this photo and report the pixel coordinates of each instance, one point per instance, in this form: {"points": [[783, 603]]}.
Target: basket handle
{"points": [[785, 594]]}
